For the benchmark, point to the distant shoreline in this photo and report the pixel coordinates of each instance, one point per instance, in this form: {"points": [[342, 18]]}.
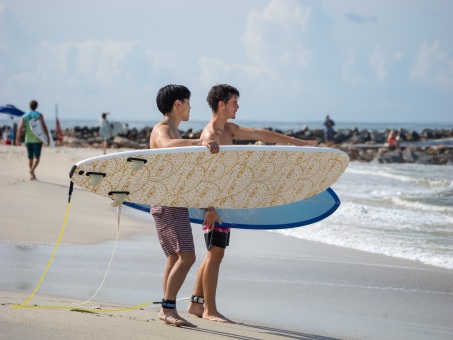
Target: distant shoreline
{"points": [[428, 146], [361, 145], [196, 125]]}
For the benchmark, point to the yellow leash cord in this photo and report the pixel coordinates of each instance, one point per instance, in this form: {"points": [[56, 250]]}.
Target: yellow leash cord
{"points": [[71, 186], [118, 214], [24, 304]]}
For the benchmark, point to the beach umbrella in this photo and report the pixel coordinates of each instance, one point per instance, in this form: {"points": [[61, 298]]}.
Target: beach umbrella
{"points": [[11, 110]]}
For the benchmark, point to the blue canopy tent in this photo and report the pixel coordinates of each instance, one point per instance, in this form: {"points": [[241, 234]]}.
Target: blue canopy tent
{"points": [[11, 110]]}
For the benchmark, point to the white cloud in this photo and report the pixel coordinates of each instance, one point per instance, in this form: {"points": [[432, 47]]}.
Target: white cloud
{"points": [[213, 69], [98, 61], [348, 69], [272, 43], [433, 65], [286, 14], [273, 35], [380, 60], [95, 66]]}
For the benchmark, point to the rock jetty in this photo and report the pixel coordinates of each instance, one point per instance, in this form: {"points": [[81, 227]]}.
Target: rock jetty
{"points": [[430, 146]]}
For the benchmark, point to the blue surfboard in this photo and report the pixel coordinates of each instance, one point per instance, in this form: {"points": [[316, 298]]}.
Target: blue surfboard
{"points": [[298, 214]]}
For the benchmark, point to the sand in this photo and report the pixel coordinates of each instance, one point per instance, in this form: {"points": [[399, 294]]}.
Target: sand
{"points": [[274, 286]]}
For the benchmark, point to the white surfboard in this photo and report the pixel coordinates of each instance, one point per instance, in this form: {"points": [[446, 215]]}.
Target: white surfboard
{"points": [[111, 131], [238, 177], [38, 131]]}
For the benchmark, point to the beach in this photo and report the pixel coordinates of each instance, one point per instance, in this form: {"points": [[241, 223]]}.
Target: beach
{"points": [[274, 286]]}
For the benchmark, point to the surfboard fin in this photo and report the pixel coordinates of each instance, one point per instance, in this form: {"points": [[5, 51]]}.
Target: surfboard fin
{"points": [[95, 177], [137, 163], [118, 197]]}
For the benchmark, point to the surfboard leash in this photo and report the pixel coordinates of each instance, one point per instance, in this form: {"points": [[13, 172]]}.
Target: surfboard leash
{"points": [[24, 304], [118, 215]]}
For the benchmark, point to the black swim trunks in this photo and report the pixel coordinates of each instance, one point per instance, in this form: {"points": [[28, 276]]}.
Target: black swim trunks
{"points": [[216, 236]]}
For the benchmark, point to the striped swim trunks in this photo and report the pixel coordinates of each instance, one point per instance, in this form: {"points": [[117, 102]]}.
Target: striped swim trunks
{"points": [[173, 229]]}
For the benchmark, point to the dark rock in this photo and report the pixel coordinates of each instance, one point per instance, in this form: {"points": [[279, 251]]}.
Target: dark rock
{"points": [[122, 142], [409, 155], [391, 157], [363, 145]]}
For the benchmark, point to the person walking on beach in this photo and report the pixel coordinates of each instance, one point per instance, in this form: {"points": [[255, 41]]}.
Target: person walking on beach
{"points": [[329, 131], [103, 121], [32, 142], [172, 224], [223, 101]]}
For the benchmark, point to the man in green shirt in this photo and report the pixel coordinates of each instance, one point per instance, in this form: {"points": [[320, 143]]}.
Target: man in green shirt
{"points": [[32, 142]]}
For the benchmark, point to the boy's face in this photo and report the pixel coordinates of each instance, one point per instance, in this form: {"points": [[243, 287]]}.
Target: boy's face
{"points": [[184, 109], [231, 107]]}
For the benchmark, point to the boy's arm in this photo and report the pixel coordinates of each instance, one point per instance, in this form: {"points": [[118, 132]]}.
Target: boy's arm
{"points": [[263, 135], [19, 131]]}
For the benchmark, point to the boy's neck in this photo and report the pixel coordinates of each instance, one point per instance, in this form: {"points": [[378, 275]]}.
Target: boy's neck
{"points": [[218, 121], [172, 121]]}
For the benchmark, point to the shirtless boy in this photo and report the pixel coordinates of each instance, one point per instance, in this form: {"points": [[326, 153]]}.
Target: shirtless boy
{"points": [[172, 224], [223, 101]]}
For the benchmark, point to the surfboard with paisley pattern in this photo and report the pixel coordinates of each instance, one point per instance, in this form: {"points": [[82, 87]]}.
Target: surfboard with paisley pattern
{"points": [[238, 177]]}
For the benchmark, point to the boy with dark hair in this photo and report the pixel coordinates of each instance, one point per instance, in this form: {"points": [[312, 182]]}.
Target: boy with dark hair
{"points": [[172, 224], [223, 101]]}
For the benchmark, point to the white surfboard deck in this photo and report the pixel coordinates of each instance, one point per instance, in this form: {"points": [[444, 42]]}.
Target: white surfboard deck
{"points": [[238, 177], [297, 214], [111, 131], [38, 131]]}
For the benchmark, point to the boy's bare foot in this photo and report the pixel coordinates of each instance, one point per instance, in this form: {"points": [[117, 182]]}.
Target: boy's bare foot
{"points": [[171, 317], [196, 309], [32, 175], [217, 317]]}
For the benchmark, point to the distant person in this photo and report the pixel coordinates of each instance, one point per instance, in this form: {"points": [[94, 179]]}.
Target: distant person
{"points": [[12, 135], [223, 101], [103, 121], [392, 141], [329, 131], [33, 143], [6, 135], [172, 224]]}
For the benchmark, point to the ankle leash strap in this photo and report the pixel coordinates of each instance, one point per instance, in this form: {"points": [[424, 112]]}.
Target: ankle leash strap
{"points": [[168, 304], [197, 299]]}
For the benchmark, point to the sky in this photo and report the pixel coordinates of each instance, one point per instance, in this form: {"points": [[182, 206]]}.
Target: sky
{"points": [[356, 60]]}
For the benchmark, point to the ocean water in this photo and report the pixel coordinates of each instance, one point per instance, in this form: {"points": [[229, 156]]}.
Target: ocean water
{"points": [[400, 210]]}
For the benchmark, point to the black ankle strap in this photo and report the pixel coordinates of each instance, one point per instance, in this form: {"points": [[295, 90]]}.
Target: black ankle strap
{"points": [[197, 299], [168, 304]]}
